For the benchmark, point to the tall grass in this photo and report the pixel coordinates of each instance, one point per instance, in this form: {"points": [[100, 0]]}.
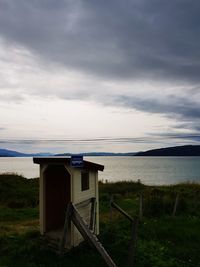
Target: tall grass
{"points": [[163, 240], [18, 192]]}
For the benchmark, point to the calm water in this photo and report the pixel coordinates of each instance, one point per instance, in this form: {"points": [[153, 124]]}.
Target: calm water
{"points": [[150, 170]]}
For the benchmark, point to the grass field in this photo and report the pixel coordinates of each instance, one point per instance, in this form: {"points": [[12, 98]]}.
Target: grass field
{"points": [[163, 240]]}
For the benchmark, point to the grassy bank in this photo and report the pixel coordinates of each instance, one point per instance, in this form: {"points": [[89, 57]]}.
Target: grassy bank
{"points": [[163, 240]]}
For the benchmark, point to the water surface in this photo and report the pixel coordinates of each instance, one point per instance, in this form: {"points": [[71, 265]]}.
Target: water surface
{"points": [[150, 170]]}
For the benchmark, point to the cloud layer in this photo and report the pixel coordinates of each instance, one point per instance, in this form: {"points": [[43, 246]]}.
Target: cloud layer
{"points": [[138, 55], [121, 39]]}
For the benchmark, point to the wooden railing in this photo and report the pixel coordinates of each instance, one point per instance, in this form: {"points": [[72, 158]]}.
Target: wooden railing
{"points": [[134, 222], [88, 231], [72, 215]]}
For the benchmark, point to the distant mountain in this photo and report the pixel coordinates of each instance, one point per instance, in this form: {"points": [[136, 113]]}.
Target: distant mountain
{"points": [[176, 151], [45, 154], [12, 153], [97, 154]]}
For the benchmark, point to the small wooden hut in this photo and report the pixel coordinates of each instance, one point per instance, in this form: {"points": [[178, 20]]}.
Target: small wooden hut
{"points": [[62, 182]]}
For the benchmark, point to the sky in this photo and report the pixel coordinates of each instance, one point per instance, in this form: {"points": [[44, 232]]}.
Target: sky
{"points": [[88, 75]]}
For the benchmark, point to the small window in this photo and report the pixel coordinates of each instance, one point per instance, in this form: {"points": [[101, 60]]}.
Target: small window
{"points": [[84, 181]]}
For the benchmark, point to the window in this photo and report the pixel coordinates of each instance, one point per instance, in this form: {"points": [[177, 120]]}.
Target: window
{"points": [[84, 181]]}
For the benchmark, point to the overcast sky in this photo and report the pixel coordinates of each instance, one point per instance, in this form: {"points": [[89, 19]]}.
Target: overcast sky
{"points": [[90, 75]]}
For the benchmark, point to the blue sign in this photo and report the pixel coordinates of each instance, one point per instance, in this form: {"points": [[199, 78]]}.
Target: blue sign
{"points": [[77, 161]]}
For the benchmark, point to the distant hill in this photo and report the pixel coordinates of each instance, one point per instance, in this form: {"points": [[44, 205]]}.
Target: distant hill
{"points": [[176, 151], [189, 150], [12, 153], [96, 154]]}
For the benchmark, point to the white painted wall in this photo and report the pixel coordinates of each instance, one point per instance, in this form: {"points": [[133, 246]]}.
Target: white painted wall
{"points": [[77, 196]]}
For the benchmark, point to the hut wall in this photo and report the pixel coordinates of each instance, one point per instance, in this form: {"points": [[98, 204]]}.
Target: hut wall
{"points": [[79, 196]]}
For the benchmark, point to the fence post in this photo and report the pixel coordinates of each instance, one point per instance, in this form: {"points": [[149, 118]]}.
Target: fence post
{"points": [[66, 237], [95, 217], [82, 227], [132, 245], [175, 205], [111, 209], [92, 214], [140, 206]]}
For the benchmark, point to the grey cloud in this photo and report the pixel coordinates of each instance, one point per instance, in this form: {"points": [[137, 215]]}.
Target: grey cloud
{"points": [[195, 125], [107, 143], [9, 97], [185, 111], [79, 141], [117, 40], [120, 39], [194, 137], [169, 105]]}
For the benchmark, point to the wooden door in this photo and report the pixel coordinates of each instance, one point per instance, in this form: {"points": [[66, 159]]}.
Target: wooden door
{"points": [[57, 195]]}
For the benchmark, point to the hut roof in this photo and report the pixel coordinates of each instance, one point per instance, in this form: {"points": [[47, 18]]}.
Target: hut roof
{"points": [[54, 160]]}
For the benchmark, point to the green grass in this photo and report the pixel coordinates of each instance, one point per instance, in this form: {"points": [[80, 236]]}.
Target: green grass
{"points": [[18, 192], [179, 237], [162, 240], [28, 250], [9, 214]]}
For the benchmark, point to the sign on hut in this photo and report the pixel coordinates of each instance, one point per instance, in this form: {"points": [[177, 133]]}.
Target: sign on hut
{"points": [[62, 181]]}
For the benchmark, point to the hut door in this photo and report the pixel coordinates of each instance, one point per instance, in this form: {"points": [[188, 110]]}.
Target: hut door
{"points": [[57, 195]]}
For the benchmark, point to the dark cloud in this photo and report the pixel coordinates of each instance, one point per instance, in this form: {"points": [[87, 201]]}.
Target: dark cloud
{"points": [[80, 141], [171, 106], [194, 125], [134, 40], [121, 39], [97, 144], [184, 111], [194, 137]]}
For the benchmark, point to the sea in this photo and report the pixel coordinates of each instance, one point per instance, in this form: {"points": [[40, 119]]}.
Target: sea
{"points": [[149, 170]]}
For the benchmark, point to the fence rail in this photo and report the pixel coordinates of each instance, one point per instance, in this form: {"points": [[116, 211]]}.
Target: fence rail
{"points": [[73, 215]]}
